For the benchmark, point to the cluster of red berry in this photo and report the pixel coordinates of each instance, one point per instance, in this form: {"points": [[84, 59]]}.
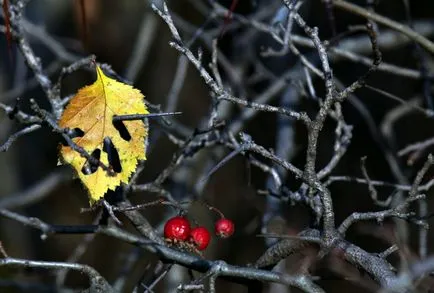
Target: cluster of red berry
{"points": [[178, 230]]}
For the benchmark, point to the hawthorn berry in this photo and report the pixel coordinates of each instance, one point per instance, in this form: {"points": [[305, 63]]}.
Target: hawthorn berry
{"points": [[200, 237], [177, 229], [224, 228]]}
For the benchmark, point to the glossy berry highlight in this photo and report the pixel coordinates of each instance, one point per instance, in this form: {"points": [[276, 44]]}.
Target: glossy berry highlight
{"points": [[177, 229], [200, 237], [224, 228]]}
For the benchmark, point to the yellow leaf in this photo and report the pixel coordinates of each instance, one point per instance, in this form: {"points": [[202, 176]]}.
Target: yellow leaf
{"points": [[90, 113]]}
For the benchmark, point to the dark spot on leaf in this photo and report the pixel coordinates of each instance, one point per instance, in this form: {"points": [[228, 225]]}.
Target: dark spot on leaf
{"points": [[76, 132], [112, 154], [72, 133], [91, 167], [122, 129]]}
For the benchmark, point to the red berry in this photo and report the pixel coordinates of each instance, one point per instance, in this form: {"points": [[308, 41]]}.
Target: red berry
{"points": [[224, 228], [177, 228], [201, 237]]}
